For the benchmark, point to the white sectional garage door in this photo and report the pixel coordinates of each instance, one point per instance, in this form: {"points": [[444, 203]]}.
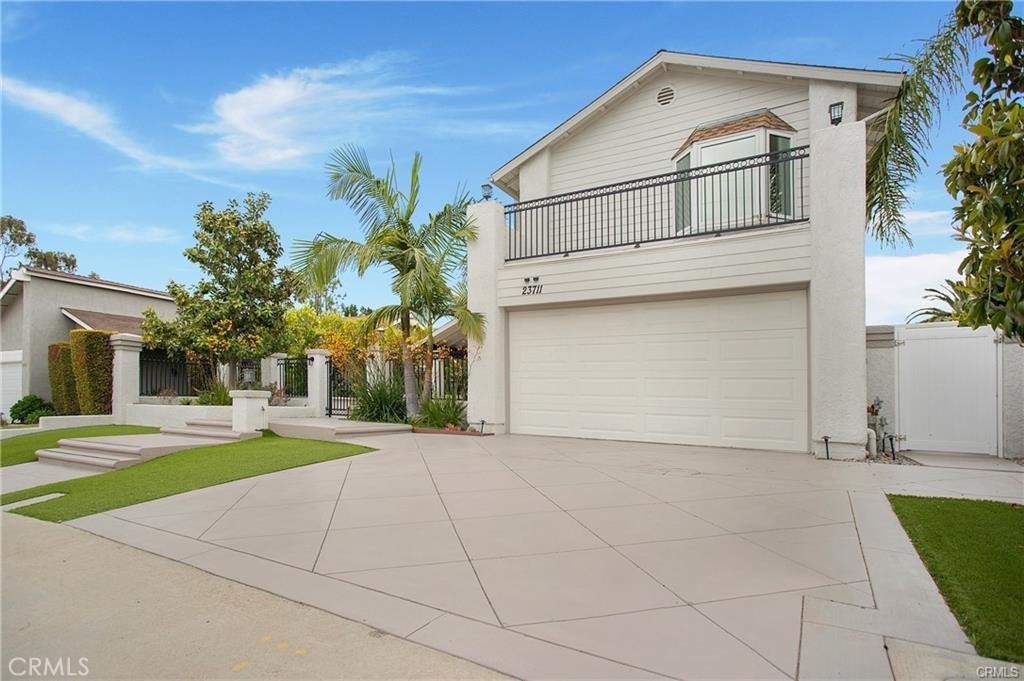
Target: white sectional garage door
{"points": [[724, 371]]}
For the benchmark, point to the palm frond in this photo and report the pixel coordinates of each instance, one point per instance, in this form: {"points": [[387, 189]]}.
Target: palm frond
{"points": [[950, 294], [902, 133]]}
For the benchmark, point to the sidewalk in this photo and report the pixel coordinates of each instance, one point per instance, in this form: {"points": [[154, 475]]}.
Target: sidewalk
{"points": [[70, 594]]}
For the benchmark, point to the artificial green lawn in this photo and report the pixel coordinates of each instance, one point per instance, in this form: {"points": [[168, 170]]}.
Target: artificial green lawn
{"points": [[175, 473], [975, 552], [22, 448]]}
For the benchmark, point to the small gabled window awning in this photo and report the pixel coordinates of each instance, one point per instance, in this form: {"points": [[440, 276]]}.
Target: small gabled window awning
{"points": [[762, 118], [104, 321]]}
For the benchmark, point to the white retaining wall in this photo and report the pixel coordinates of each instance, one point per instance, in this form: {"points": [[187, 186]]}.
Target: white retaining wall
{"points": [[175, 414]]}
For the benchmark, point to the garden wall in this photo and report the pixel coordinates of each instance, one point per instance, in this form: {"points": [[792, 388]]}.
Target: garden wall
{"points": [[176, 415]]}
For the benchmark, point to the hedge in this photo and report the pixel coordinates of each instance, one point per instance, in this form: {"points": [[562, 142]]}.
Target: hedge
{"points": [[62, 379], [92, 360]]}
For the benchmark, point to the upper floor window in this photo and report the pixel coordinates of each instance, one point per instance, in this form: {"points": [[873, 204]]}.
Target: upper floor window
{"points": [[723, 197]]}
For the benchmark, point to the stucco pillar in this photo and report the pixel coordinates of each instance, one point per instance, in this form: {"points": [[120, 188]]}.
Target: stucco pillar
{"points": [[249, 410], [125, 389], [836, 297], [488, 361], [317, 380]]}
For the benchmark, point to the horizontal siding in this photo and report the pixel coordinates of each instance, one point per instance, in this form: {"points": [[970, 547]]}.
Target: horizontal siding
{"points": [[758, 258], [636, 137]]}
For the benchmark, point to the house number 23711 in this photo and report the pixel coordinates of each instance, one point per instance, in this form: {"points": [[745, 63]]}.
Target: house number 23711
{"points": [[532, 289]]}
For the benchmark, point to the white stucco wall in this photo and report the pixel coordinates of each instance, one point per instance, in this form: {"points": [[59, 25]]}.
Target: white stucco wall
{"points": [[836, 298], [1013, 400], [488, 361]]}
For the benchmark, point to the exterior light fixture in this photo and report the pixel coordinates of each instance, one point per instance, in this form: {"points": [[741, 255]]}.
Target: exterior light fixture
{"points": [[380, 331], [248, 375], [487, 191], [526, 280], [835, 113]]}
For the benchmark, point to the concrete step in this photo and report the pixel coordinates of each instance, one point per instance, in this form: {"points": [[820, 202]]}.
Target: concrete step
{"points": [[87, 457], [359, 428], [209, 423], [120, 451], [215, 432], [101, 445]]}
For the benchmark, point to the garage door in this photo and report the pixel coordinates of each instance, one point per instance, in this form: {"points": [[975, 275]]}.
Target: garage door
{"points": [[727, 371]]}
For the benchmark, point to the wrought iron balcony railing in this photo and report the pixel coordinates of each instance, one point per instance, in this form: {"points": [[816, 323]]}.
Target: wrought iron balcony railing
{"points": [[758, 191]]}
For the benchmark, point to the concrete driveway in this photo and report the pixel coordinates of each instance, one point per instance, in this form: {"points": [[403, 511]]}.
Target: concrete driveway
{"points": [[560, 558]]}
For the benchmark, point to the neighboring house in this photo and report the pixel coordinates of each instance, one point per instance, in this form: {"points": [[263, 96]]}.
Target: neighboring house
{"points": [[684, 262], [39, 307]]}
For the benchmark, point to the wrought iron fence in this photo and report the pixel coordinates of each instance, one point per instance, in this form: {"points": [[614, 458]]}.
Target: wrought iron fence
{"points": [[342, 378], [758, 191], [293, 376], [449, 374], [159, 375], [250, 372]]}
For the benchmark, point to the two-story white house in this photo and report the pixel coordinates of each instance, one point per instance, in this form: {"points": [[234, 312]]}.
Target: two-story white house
{"points": [[684, 262]]}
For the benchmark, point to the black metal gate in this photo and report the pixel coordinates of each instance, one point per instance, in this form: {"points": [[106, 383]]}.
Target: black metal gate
{"points": [[342, 379]]}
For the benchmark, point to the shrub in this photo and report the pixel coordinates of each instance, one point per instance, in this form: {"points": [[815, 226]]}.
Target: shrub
{"points": [[217, 395], [381, 401], [92, 359], [29, 408], [62, 379], [442, 413]]}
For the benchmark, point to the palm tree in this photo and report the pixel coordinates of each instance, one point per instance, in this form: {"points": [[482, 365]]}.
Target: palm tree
{"points": [[447, 301], [420, 257], [950, 294], [901, 132]]}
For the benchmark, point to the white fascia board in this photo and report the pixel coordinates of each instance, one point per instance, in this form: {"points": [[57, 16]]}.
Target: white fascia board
{"points": [[76, 320]]}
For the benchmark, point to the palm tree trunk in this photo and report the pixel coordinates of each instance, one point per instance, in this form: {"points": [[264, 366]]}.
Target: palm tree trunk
{"points": [[412, 398], [428, 368]]}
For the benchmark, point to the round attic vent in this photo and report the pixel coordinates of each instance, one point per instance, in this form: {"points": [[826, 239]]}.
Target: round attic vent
{"points": [[665, 96]]}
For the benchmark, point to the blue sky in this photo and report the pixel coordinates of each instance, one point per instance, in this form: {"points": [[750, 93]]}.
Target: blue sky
{"points": [[119, 118]]}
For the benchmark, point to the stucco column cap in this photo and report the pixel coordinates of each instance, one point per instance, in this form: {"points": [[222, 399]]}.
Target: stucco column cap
{"points": [[317, 352], [249, 393], [126, 341]]}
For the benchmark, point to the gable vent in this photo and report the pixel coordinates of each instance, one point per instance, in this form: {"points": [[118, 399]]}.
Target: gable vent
{"points": [[665, 96]]}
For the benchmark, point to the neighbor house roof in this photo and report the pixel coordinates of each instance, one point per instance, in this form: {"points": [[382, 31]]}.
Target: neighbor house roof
{"points": [[103, 321], [762, 118], [664, 59], [23, 274]]}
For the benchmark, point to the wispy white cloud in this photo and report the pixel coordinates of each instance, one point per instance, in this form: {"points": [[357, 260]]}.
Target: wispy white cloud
{"points": [[929, 222], [87, 118], [896, 284], [124, 233], [280, 120]]}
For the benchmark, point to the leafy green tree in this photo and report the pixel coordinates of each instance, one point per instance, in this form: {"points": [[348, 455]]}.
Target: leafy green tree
{"points": [[236, 311], [392, 239], [353, 310], [14, 238], [986, 175], [56, 261]]}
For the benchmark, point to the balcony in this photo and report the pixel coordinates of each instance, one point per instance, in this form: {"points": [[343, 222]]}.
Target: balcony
{"points": [[760, 191]]}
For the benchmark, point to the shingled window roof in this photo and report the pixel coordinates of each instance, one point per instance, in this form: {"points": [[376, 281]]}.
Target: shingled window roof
{"points": [[762, 118]]}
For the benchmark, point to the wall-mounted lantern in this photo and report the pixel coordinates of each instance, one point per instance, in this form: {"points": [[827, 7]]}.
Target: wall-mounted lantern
{"points": [[835, 113], [487, 190]]}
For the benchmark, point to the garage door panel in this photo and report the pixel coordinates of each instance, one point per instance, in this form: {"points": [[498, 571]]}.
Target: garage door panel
{"points": [[724, 371]]}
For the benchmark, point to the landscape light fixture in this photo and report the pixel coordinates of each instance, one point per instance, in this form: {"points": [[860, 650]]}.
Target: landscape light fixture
{"points": [[835, 113], [487, 190]]}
